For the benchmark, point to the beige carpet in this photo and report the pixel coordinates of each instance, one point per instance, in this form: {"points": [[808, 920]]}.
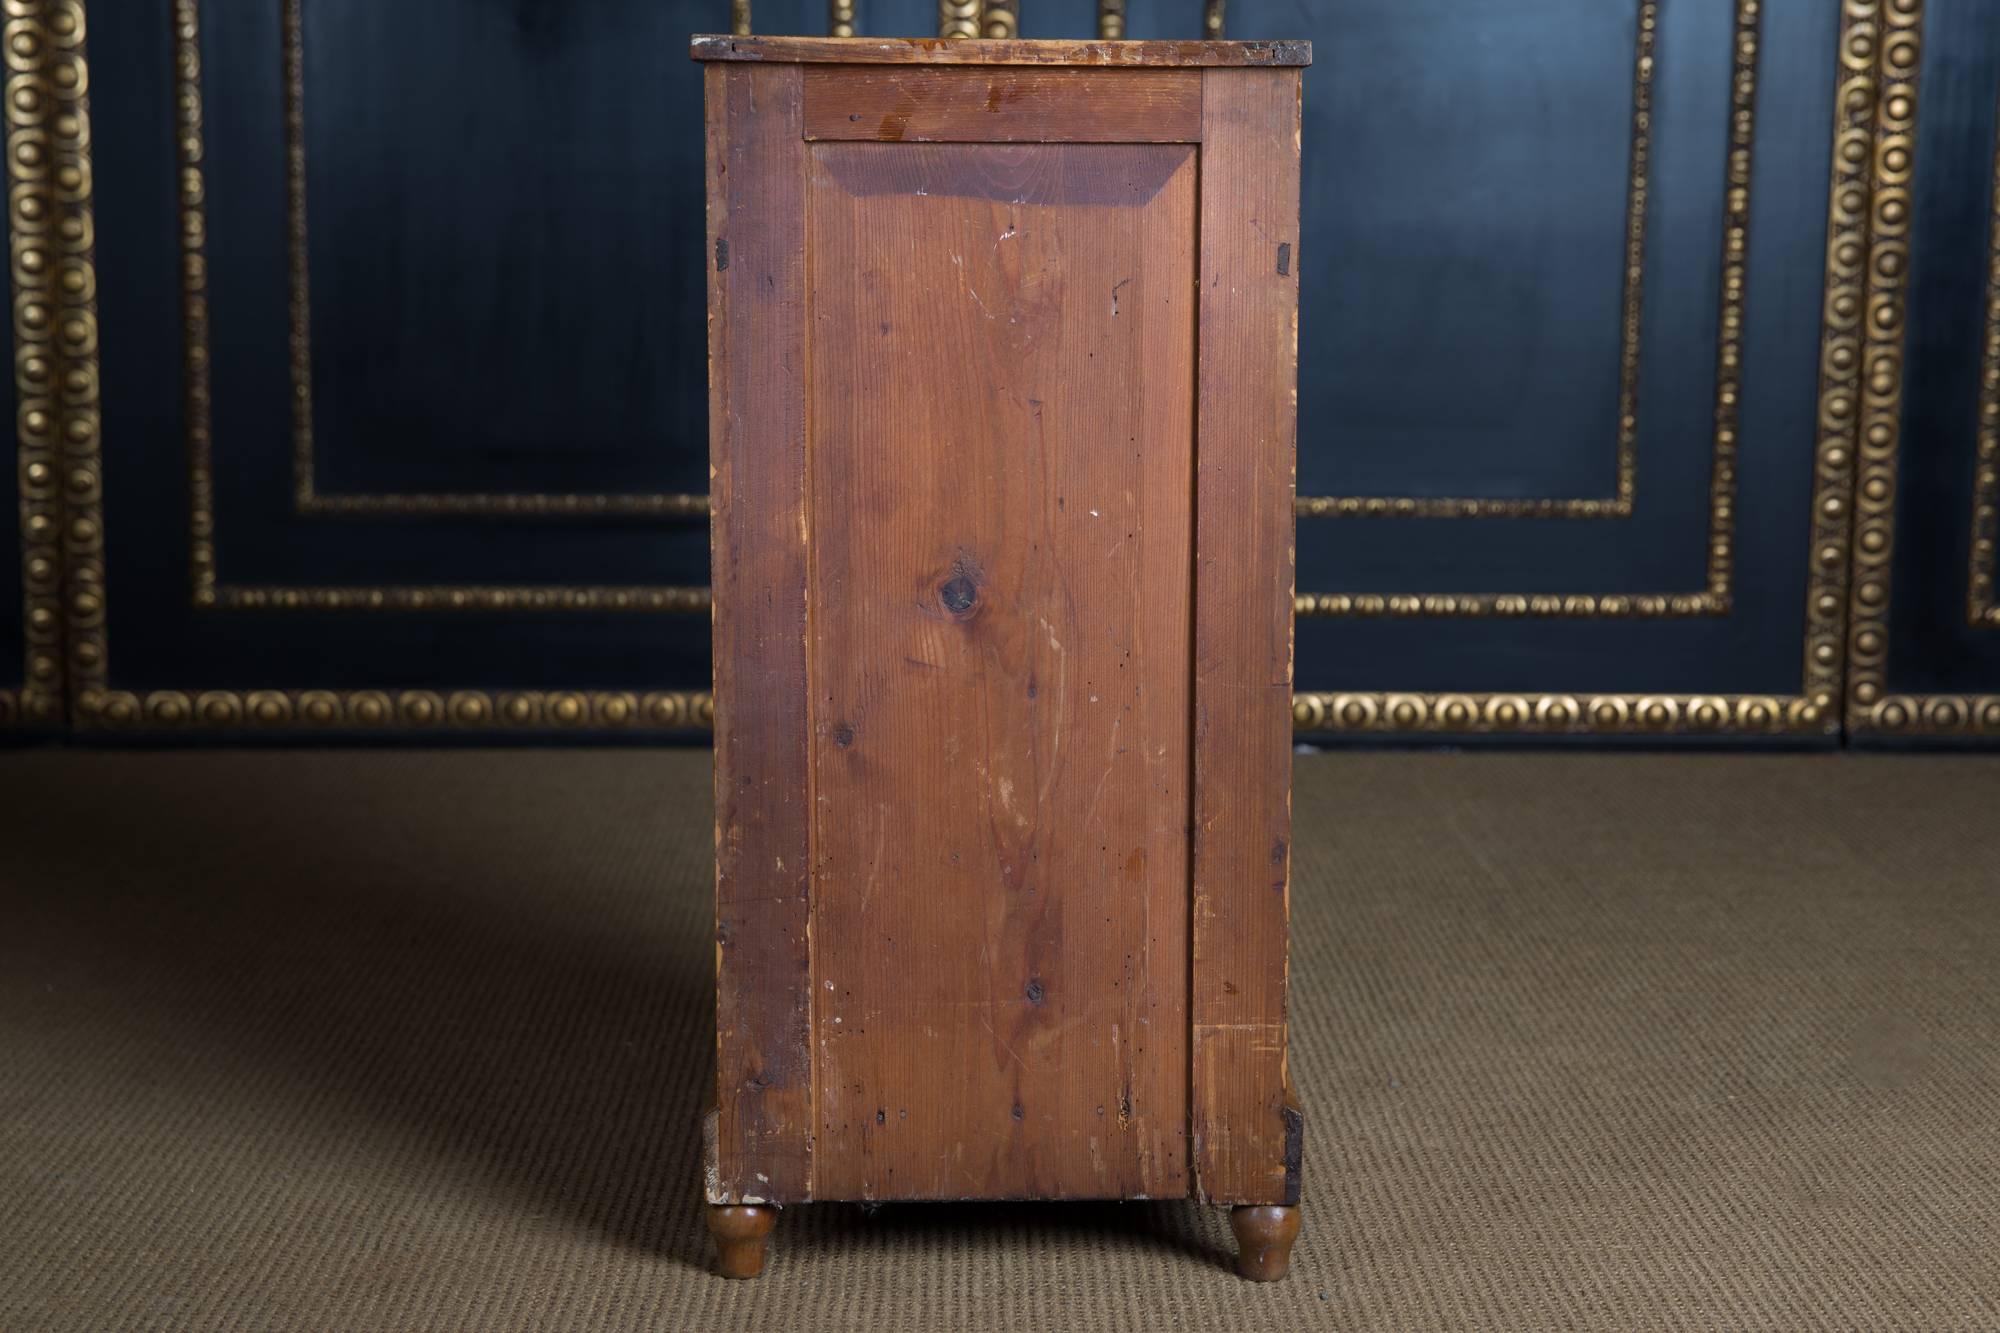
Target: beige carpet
{"points": [[355, 1040]]}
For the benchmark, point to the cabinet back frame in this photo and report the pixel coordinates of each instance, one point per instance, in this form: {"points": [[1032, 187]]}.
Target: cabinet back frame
{"points": [[764, 114]]}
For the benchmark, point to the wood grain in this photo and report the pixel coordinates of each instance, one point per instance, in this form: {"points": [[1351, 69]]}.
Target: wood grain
{"points": [[947, 51], [898, 104], [757, 384], [1245, 1126], [1002, 404]]}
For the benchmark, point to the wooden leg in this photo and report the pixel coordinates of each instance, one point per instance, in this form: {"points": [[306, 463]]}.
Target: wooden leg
{"points": [[1264, 1236], [740, 1232]]}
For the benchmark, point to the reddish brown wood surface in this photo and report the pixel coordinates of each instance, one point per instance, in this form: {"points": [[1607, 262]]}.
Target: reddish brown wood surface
{"points": [[757, 383], [742, 1236], [946, 51], [1245, 1129], [1002, 401], [1265, 1234], [906, 104]]}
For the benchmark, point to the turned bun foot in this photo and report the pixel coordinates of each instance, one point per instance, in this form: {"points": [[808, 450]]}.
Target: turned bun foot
{"points": [[740, 1233], [1264, 1236]]}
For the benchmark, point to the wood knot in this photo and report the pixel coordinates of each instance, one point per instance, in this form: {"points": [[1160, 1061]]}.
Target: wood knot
{"points": [[957, 588], [958, 594]]}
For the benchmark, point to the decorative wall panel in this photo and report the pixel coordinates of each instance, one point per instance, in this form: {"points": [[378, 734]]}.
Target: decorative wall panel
{"points": [[403, 390], [1925, 642], [1560, 459], [1607, 308]]}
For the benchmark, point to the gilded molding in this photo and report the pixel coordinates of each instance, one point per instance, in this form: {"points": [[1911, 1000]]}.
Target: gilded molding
{"points": [[197, 398], [189, 149], [504, 504], [1344, 711], [1891, 32], [1735, 293], [1814, 711], [44, 85], [1938, 715], [1715, 598], [1932, 715], [305, 493], [739, 18], [1844, 300], [1001, 19], [1212, 20], [1110, 20], [1981, 607], [958, 18], [397, 710], [840, 18], [1638, 192], [461, 597], [1513, 606], [298, 271], [1361, 711], [76, 348], [73, 364]]}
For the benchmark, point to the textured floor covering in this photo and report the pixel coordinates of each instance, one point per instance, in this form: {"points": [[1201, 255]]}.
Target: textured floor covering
{"points": [[364, 1040]]}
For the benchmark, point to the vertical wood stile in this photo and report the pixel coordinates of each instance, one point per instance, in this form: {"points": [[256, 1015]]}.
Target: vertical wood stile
{"points": [[758, 543], [1246, 1129]]}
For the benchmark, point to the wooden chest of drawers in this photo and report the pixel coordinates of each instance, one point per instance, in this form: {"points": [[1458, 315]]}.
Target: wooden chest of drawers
{"points": [[1002, 395]]}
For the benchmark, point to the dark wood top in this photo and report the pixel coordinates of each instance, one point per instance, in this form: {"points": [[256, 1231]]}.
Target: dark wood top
{"points": [[970, 51]]}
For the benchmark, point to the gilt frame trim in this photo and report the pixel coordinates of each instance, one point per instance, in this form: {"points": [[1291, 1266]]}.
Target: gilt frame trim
{"points": [[96, 705], [1815, 710], [306, 495], [1638, 195], [1874, 711], [1982, 607], [45, 77], [1714, 598], [1812, 712], [206, 588]]}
